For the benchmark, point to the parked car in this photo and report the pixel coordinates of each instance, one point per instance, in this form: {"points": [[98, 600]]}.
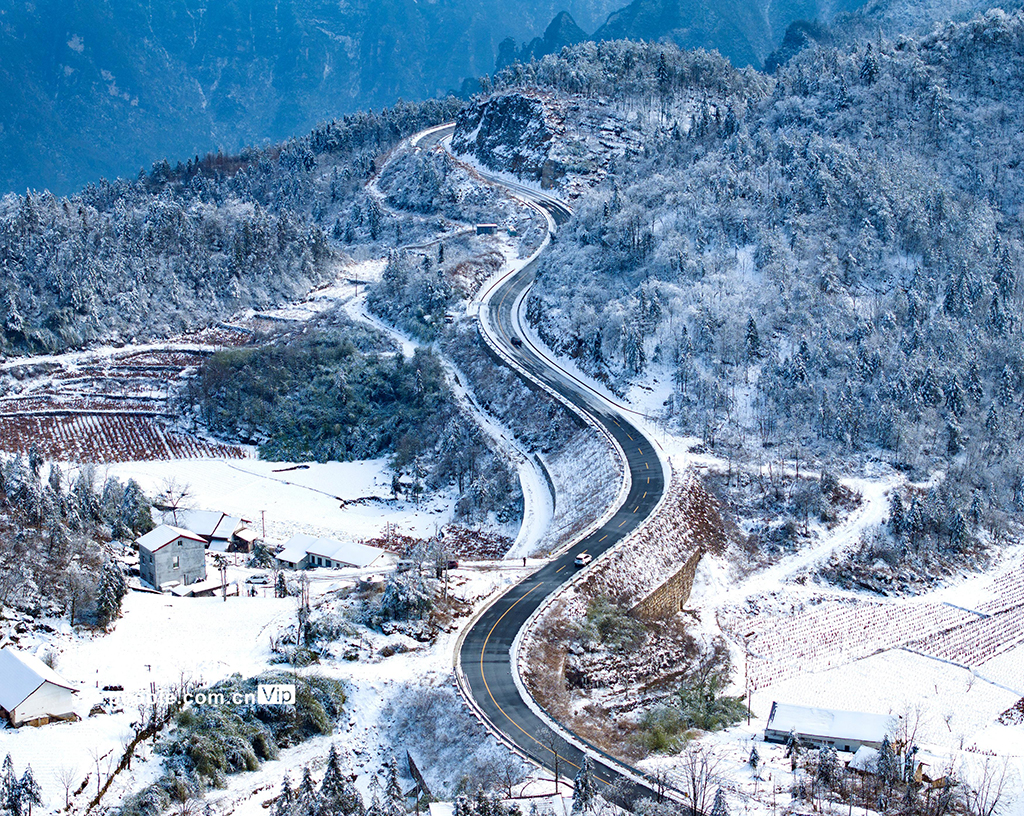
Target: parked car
{"points": [[583, 559], [258, 578]]}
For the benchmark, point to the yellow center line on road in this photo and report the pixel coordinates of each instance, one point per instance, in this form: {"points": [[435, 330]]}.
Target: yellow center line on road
{"points": [[622, 522], [630, 438], [636, 508], [483, 649], [644, 496], [560, 568], [603, 538]]}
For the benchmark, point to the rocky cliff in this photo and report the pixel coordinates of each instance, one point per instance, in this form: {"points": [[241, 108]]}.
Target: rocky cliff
{"points": [[512, 133]]}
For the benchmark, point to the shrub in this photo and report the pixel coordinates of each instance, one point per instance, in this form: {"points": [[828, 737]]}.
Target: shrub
{"points": [[610, 626], [212, 741]]}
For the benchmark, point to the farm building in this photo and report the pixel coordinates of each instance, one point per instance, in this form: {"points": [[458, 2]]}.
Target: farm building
{"points": [[223, 533], [170, 556], [843, 730], [486, 229], [31, 693], [211, 587], [303, 551]]}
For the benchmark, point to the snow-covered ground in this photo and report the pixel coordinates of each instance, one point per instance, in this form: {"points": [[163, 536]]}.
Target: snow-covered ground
{"points": [[307, 500], [164, 640], [956, 706]]}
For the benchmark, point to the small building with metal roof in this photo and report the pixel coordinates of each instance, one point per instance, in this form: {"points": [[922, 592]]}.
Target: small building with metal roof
{"points": [[818, 727]]}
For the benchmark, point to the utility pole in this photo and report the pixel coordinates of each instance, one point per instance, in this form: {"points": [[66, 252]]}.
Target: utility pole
{"points": [[263, 516]]}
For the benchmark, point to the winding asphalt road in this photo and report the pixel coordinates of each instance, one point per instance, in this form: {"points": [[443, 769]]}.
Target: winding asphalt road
{"points": [[485, 655]]}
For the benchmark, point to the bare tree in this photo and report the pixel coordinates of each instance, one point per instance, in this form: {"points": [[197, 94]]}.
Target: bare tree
{"points": [[699, 774], [985, 797], [65, 776], [511, 772], [98, 755], [174, 496], [907, 725], [553, 747]]}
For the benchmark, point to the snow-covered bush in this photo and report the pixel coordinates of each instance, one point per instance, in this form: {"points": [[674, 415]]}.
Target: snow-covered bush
{"points": [[449, 745], [223, 736]]}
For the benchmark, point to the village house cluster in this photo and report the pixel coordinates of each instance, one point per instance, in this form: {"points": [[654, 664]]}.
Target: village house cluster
{"points": [[173, 557]]}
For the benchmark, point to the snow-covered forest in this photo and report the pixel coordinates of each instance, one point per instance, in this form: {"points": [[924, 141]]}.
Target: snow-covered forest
{"points": [[192, 242], [825, 262], [59, 535], [339, 392]]}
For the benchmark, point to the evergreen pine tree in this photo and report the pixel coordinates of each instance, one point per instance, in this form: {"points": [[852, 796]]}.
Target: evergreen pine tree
{"points": [[29, 793], [957, 530], [8, 787], [888, 764], [337, 793], [753, 341], [306, 796], [992, 420], [583, 790], [976, 510], [828, 766], [754, 758], [896, 515], [283, 803], [720, 807], [110, 593], [1006, 391], [909, 798], [134, 514], [482, 804], [394, 800]]}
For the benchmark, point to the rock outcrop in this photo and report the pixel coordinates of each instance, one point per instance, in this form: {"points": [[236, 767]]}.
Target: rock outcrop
{"points": [[512, 133]]}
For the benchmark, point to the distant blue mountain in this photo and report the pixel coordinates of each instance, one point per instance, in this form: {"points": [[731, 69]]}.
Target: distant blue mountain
{"points": [[96, 88]]}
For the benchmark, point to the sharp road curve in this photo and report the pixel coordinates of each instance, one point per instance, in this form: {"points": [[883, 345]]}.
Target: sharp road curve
{"points": [[486, 649]]}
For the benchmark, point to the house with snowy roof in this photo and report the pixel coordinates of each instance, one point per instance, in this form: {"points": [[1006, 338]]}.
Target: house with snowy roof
{"points": [[31, 693], [223, 533], [818, 727], [170, 556], [304, 551]]}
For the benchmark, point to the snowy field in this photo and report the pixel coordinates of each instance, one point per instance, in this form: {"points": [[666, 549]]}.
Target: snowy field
{"points": [[165, 640], [307, 500]]}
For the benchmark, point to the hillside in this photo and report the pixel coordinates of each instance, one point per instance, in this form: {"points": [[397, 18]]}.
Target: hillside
{"points": [[186, 246], [824, 265]]}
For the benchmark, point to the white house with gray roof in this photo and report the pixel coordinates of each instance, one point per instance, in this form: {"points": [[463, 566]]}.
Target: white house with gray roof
{"points": [[222, 532], [31, 692], [304, 551], [843, 730]]}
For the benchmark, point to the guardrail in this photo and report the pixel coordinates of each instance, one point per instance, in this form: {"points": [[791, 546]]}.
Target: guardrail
{"points": [[489, 335]]}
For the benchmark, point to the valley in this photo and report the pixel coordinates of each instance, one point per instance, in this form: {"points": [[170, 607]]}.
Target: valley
{"points": [[565, 442]]}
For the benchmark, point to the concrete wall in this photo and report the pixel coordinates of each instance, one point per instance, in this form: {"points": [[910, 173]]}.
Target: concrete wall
{"points": [[191, 566]]}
